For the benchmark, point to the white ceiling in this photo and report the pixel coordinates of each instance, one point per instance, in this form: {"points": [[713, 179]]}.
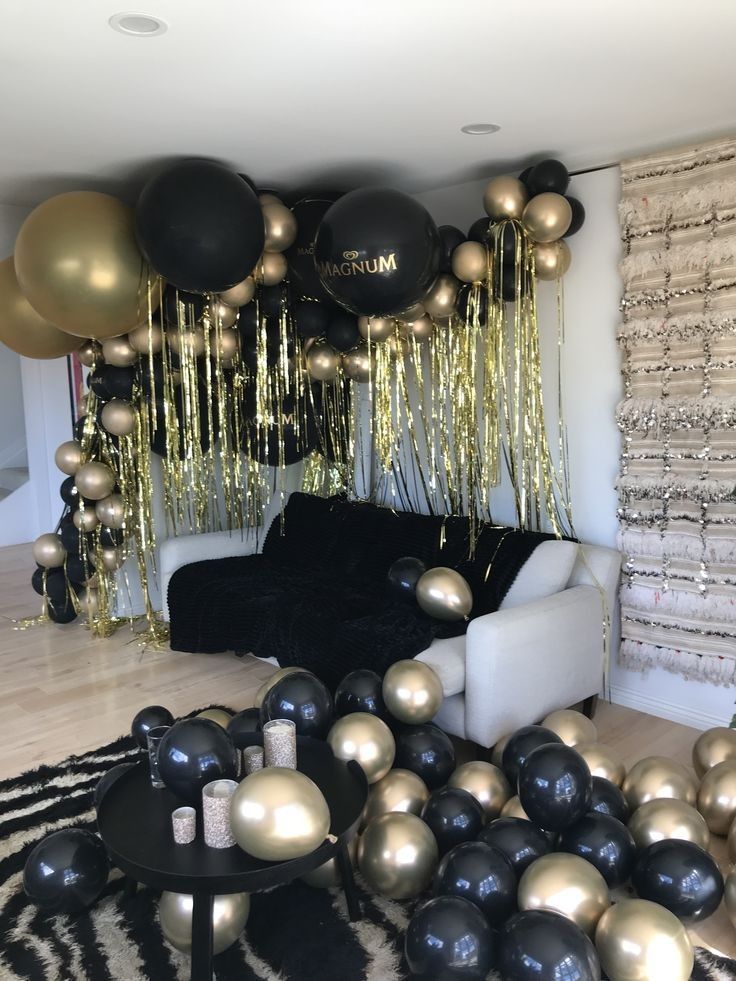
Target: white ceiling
{"points": [[335, 93]]}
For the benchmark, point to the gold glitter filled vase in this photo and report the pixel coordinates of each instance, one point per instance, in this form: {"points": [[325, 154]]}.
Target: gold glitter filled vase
{"points": [[216, 797], [279, 743]]}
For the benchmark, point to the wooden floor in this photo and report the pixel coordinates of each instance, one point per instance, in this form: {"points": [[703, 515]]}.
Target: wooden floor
{"points": [[64, 692]]}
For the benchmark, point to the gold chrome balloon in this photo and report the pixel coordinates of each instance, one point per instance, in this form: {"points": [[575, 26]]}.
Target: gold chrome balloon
{"points": [[94, 480], [78, 264], [112, 558], [713, 746], [85, 519], [397, 855], [21, 328], [486, 782], [513, 809], [376, 328], [499, 747], [398, 345], [189, 341], [270, 269], [48, 551], [664, 818], [118, 417], [731, 843], [440, 300], [568, 885], [367, 739], [470, 262], [505, 197], [89, 353], [89, 601], [111, 511], [278, 814], [547, 217], [323, 361], [240, 294], [221, 313], [729, 896], [658, 776], [220, 716], [119, 351], [358, 364], [399, 790], [412, 692], [552, 259], [717, 797], [280, 225], [328, 876], [572, 727], [267, 198], [270, 682], [641, 941], [229, 916], [68, 456], [145, 340], [228, 344], [444, 594], [421, 329], [602, 761]]}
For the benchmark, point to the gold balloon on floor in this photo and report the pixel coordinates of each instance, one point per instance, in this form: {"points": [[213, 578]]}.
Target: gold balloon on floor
{"points": [[713, 746], [278, 814], [270, 682], [658, 776], [440, 300], [505, 197], [145, 340], [572, 727], [717, 797], [602, 761], [280, 225], [567, 885], [323, 361], [641, 941], [118, 417], [397, 855], [486, 782], [664, 818], [444, 594], [48, 551], [513, 809], [111, 511], [399, 790], [241, 294], [412, 692], [220, 716], [229, 916], [78, 264], [68, 457], [498, 748], [729, 896], [85, 519], [367, 739], [21, 328], [376, 328], [328, 876], [551, 259], [119, 351], [359, 364], [547, 217], [470, 262]]}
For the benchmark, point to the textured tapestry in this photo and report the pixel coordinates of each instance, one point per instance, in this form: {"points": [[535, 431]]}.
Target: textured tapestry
{"points": [[678, 415]]}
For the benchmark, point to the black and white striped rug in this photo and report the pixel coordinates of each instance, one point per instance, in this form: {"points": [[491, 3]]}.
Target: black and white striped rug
{"points": [[295, 933]]}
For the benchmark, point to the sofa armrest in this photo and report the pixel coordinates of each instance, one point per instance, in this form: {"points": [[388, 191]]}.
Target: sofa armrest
{"points": [[527, 661]]}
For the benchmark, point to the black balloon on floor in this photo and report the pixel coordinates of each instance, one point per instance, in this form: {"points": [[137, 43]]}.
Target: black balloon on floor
{"points": [[482, 874], [607, 798], [62, 611], [244, 728], [149, 718], [56, 586], [603, 841], [303, 698], [108, 779], [520, 745], [67, 871], [192, 753], [403, 576], [448, 938], [454, 816], [427, 751], [681, 876], [520, 841], [548, 175], [450, 238], [537, 945], [578, 216], [555, 786], [360, 691]]}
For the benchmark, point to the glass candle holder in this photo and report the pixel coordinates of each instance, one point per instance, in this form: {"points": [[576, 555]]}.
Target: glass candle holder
{"points": [[279, 743], [252, 759], [216, 813], [184, 823], [154, 737]]}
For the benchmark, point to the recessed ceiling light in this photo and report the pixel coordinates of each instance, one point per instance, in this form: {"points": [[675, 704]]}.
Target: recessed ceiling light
{"points": [[480, 129], [138, 25]]}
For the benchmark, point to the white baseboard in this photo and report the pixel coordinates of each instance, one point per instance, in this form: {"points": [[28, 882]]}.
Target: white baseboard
{"points": [[664, 709]]}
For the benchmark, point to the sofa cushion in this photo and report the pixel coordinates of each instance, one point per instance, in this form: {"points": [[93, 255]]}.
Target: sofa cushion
{"points": [[545, 572], [446, 656]]}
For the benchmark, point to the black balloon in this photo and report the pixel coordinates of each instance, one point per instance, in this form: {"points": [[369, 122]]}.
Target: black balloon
{"points": [[303, 274], [403, 576], [244, 728], [303, 698], [448, 938], [67, 871], [482, 874], [520, 745], [548, 175], [118, 381], [149, 718], [160, 438], [299, 433], [479, 230], [607, 798], [71, 538], [78, 570], [62, 611], [69, 493], [200, 226], [450, 238], [96, 381], [111, 537], [681, 876], [360, 691], [79, 427], [427, 751], [524, 176], [454, 816], [311, 318], [377, 251], [472, 303], [192, 753], [271, 300], [555, 786], [343, 333], [538, 945], [520, 841], [248, 321], [603, 841], [112, 775], [578, 216], [182, 308], [56, 587]]}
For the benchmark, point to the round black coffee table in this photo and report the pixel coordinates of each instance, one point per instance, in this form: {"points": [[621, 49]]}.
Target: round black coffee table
{"points": [[134, 821]]}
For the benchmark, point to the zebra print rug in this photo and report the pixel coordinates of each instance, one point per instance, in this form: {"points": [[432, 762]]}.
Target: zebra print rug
{"points": [[294, 933]]}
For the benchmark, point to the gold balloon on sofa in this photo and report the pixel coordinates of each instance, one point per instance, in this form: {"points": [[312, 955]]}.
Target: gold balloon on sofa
{"points": [[444, 594], [412, 692], [658, 776], [94, 480], [367, 739], [713, 746], [229, 916], [568, 885], [638, 940], [399, 790], [665, 818], [397, 855], [547, 217], [717, 797], [24, 330], [486, 782]]}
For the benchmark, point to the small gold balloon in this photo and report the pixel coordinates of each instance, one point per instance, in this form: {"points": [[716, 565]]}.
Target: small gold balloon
{"points": [[119, 351], [223, 314], [398, 345], [278, 814], [572, 727], [664, 818], [229, 916], [513, 809], [729, 896], [638, 940], [118, 417], [505, 197], [713, 746], [68, 457], [440, 300], [280, 225], [89, 353], [270, 682], [328, 876], [470, 262], [717, 797], [547, 217], [499, 747], [220, 716], [228, 344], [376, 328], [267, 198], [602, 761], [48, 551], [112, 558], [323, 361], [421, 329], [94, 480], [399, 790], [85, 519], [89, 601], [359, 364], [187, 341], [568, 885], [658, 776], [486, 782], [240, 294], [24, 330], [111, 511], [270, 269], [551, 259], [412, 692], [444, 594], [367, 739], [146, 338], [397, 855]]}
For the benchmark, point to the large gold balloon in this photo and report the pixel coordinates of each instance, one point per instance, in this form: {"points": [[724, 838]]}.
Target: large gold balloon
{"points": [[421, 329], [367, 739], [48, 551], [397, 855], [323, 361], [240, 294], [279, 814], [641, 941], [220, 716], [486, 782], [551, 259], [85, 519], [280, 225], [412, 692], [89, 353], [547, 217], [444, 594], [270, 682], [729, 896], [229, 916], [513, 809], [602, 761], [376, 328], [505, 197], [270, 269], [328, 876], [664, 818], [222, 314], [68, 457], [731, 842], [119, 352], [77, 261], [470, 262], [359, 364], [717, 797], [572, 727], [146, 338], [568, 885], [499, 747], [21, 328], [399, 790], [713, 746], [94, 480], [658, 776], [118, 417], [440, 300]]}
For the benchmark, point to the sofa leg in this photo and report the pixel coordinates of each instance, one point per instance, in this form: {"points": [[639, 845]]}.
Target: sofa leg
{"points": [[590, 704]]}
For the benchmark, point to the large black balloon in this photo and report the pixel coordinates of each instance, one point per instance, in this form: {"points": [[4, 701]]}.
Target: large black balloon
{"points": [[108, 779], [56, 587], [578, 216], [244, 728], [548, 175], [149, 718], [343, 333], [555, 786], [520, 841], [450, 238], [180, 307], [447, 939], [604, 842], [67, 871], [479, 230], [377, 251], [312, 318], [403, 576], [681, 876], [453, 815], [520, 745], [607, 798], [303, 274], [538, 945], [159, 440], [200, 226], [299, 434], [360, 691], [482, 874], [427, 751], [192, 753], [303, 698]]}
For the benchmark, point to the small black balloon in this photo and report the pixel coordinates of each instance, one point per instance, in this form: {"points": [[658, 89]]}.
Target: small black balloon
{"points": [[192, 753], [578, 216], [56, 587], [548, 175], [360, 691], [520, 841], [66, 871], [111, 537], [427, 751], [447, 939], [302, 698], [62, 611], [109, 778], [270, 300], [482, 874], [181, 307], [343, 333], [79, 427], [524, 176], [479, 231], [403, 576], [472, 303], [603, 841], [78, 570], [244, 728], [520, 745], [311, 318], [607, 798], [119, 382], [96, 381], [149, 718], [538, 945], [69, 493], [555, 786], [303, 274], [454, 816], [681, 876], [248, 322], [71, 538], [450, 238]]}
